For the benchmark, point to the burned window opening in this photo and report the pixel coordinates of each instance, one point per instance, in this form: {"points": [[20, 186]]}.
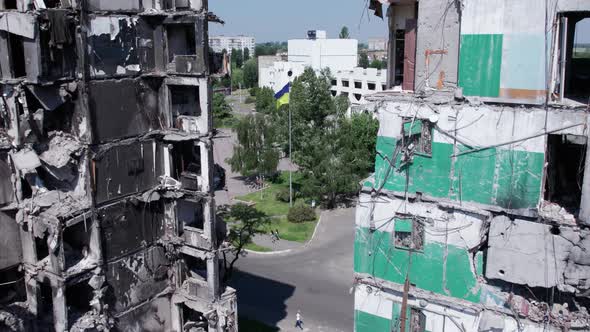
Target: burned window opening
{"points": [[41, 247], [400, 41], [383, 87], [45, 305], [195, 268], [52, 3], [17, 55], [194, 320], [573, 79], [78, 298], [57, 60], [187, 159], [190, 214], [408, 233], [184, 100], [12, 286], [565, 170], [181, 40], [417, 136], [10, 4], [76, 243]]}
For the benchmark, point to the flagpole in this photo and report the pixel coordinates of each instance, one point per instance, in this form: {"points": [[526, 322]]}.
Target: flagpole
{"points": [[290, 164]]}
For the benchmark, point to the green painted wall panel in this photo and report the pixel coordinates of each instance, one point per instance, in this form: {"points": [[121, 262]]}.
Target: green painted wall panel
{"points": [[510, 179], [375, 254], [364, 322], [480, 64]]}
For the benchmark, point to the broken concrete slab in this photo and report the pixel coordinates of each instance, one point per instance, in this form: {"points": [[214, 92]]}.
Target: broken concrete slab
{"points": [[25, 160], [517, 247], [61, 149], [22, 24]]}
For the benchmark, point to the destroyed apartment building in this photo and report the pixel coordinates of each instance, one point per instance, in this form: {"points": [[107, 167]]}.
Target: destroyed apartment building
{"points": [[107, 217], [477, 217]]}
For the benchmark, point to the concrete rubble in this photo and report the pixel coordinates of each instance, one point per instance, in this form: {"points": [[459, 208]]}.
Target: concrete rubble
{"points": [[105, 135]]}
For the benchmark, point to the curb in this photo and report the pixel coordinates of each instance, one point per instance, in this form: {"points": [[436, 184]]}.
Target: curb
{"points": [[280, 252]]}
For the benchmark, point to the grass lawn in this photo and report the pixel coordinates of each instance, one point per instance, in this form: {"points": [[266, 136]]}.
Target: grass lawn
{"points": [[266, 202], [289, 231], [266, 199], [255, 247], [250, 325]]}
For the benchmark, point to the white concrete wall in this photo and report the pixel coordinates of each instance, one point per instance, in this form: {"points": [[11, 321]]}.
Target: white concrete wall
{"points": [[356, 95], [276, 76], [336, 54]]}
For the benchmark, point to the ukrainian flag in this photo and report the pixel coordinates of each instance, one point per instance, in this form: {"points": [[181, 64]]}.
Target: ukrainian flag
{"points": [[282, 96]]}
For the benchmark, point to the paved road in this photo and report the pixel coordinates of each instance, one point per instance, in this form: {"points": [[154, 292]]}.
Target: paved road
{"points": [[315, 279]]}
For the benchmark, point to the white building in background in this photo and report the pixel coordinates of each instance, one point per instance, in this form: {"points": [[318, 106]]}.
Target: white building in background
{"points": [[377, 44], [318, 52], [357, 82], [219, 43]]}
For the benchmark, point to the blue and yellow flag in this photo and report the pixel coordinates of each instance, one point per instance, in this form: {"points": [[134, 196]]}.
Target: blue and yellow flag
{"points": [[282, 96]]}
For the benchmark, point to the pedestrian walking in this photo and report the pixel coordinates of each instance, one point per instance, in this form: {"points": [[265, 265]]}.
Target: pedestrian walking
{"points": [[277, 234], [273, 236], [298, 322]]}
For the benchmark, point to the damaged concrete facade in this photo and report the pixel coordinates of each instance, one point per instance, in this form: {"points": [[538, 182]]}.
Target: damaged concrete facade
{"points": [[477, 216], [107, 217]]}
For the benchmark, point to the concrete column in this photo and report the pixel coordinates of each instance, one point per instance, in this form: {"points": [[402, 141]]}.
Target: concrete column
{"points": [[60, 308], [213, 276], [176, 317], [206, 149], [33, 293], [584, 215]]}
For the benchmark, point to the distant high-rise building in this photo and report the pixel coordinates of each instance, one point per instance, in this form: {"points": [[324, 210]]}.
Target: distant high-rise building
{"points": [[219, 43]]}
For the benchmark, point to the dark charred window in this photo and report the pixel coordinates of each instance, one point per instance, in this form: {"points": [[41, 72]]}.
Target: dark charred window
{"points": [[417, 135], [194, 267], [46, 303], [41, 247], [78, 298], [10, 4], [76, 243], [181, 40], [187, 158], [383, 87], [17, 55], [573, 77], [565, 170], [12, 286], [184, 100], [182, 4], [193, 320], [408, 234], [190, 214]]}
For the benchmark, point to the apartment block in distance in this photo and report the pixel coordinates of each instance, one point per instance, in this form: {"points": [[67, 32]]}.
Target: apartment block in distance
{"points": [[107, 214], [477, 217]]}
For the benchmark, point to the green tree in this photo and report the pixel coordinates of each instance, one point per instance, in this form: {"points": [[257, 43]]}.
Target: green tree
{"points": [[250, 73], [237, 78], [246, 55], [379, 64], [265, 101], [237, 57], [334, 152], [344, 33], [256, 153], [364, 60], [246, 223], [221, 109]]}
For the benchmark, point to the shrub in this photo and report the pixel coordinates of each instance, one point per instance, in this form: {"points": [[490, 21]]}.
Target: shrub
{"points": [[301, 213], [253, 91], [250, 100], [283, 195]]}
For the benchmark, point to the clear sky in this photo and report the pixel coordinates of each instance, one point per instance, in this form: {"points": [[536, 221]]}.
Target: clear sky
{"points": [[279, 20]]}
